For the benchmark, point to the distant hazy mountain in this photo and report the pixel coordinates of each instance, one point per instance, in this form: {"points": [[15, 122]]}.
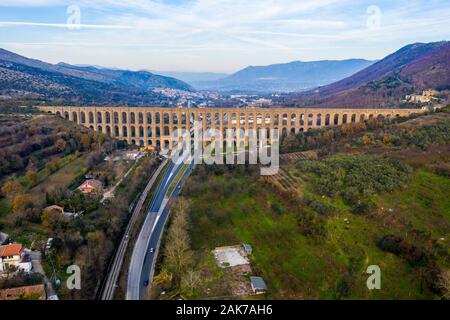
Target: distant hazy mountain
{"points": [[21, 76], [411, 69], [193, 77], [287, 77]]}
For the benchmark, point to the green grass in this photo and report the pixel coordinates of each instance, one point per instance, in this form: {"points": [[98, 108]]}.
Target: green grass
{"points": [[424, 204]]}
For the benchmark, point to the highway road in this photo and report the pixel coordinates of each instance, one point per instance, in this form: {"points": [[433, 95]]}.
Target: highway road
{"points": [[141, 269], [110, 284]]}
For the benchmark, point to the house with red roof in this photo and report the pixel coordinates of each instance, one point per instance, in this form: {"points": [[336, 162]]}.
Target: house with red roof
{"points": [[13, 256], [91, 186]]}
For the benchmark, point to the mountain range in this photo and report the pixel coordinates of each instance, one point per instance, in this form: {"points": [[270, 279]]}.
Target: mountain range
{"points": [[286, 77], [347, 83], [193, 78], [21, 76], [410, 70]]}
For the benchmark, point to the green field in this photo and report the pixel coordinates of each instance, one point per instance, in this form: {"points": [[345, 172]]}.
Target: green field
{"points": [[236, 208]]}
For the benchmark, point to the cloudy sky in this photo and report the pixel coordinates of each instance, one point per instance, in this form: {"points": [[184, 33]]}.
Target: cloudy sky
{"points": [[216, 35]]}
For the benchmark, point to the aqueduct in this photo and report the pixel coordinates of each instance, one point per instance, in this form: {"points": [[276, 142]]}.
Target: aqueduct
{"points": [[155, 126]]}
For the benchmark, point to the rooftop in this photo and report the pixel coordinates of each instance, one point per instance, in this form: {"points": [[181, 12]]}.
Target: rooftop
{"points": [[91, 184], [11, 250]]}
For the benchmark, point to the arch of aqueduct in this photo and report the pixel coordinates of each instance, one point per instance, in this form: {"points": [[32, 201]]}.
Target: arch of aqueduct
{"points": [[155, 126]]}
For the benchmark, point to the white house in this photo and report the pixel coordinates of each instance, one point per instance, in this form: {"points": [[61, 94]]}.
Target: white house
{"points": [[13, 255]]}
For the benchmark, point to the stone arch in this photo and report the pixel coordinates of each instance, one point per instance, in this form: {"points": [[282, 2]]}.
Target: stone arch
{"points": [[225, 119], [302, 119], [116, 118], [140, 118], [75, 116], [124, 117], [149, 132], [58, 114], [250, 119], [108, 131], [100, 129], [107, 117], [344, 118], [83, 117], [310, 119], [276, 119], [99, 117], [91, 117], [133, 131], [66, 115], [141, 131], [353, 118], [259, 119], [149, 117], [293, 119], [166, 144], [125, 131], [327, 119], [362, 118], [233, 119], [319, 120], [284, 121], [132, 118], [174, 118], [242, 119], [267, 119], [276, 133], [166, 118], [116, 131]]}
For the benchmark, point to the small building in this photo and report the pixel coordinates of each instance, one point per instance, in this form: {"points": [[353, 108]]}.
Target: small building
{"points": [[14, 255], [247, 248], [91, 186], [258, 285], [36, 292]]}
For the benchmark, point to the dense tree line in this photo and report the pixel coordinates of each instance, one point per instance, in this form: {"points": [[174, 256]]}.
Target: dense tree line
{"points": [[42, 139], [371, 132], [420, 258]]}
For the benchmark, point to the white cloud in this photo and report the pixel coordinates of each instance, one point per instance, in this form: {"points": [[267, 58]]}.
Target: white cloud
{"points": [[224, 35]]}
